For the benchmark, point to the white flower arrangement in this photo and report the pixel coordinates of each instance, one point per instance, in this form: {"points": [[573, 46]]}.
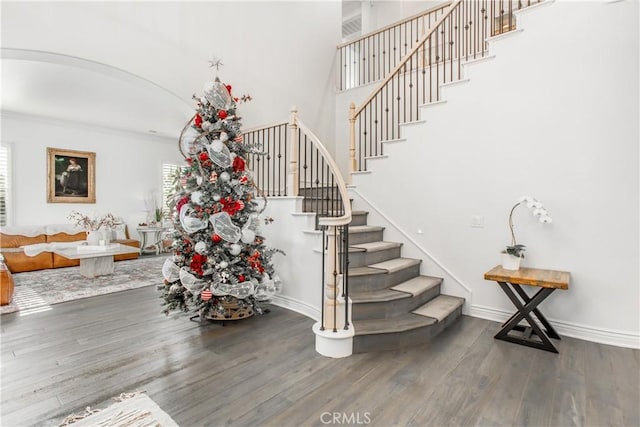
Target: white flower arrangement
{"points": [[538, 211]]}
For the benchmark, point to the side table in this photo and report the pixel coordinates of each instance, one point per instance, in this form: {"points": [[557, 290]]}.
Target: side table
{"points": [[151, 239], [510, 281]]}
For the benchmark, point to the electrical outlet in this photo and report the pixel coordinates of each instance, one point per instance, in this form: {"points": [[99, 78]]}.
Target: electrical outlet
{"points": [[477, 221]]}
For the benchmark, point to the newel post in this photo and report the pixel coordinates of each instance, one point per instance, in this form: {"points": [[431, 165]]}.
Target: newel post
{"points": [[293, 161], [352, 138]]}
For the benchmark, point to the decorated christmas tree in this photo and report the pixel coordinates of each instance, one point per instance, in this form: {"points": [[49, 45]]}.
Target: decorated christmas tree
{"points": [[221, 268]]}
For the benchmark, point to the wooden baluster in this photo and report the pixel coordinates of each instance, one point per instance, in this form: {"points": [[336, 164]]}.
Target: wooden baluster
{"points": [[293, 161], [352, 139]]}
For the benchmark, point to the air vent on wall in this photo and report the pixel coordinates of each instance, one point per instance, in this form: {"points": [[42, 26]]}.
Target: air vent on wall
{"points": [[352, 27]]}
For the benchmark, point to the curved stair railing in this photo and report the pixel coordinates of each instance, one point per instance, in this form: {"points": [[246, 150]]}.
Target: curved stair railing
{"points": [[312, 173], [459, 34]]}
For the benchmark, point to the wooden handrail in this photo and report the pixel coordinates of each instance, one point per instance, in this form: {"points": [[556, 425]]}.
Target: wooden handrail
{"points": [[395, 24], [333, 167], [415, 48], [261, 127]]}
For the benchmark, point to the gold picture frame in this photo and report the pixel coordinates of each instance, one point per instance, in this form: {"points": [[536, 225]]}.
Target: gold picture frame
{"points": [[71, 176]]}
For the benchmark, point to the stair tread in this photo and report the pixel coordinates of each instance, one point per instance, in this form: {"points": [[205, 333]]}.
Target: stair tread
{"points": [[363, 271], [417, 285], [382, 295], [396, 264], [439, 307], [364, 228], [402, 323], [380, 245]]}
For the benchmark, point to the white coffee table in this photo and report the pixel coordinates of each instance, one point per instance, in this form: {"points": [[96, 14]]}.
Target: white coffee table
{"points": [[95, 261]]}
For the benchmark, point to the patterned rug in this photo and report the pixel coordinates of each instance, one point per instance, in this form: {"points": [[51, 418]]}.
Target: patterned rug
{"points": [[35, 291], [132, 410]]}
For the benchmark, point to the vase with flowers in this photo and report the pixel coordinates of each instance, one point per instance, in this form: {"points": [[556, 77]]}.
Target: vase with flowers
{"points": [[514, 253], [98, 228]]}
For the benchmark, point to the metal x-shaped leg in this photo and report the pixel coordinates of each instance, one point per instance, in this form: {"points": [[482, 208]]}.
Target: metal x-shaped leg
{"points": [[524, 312]]}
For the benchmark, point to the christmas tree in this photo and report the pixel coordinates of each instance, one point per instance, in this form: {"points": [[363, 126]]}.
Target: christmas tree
{"points": [[221, 268]]}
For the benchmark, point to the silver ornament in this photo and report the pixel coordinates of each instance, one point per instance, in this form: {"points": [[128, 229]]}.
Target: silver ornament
{"points": [[235, 249], [201, 248]]}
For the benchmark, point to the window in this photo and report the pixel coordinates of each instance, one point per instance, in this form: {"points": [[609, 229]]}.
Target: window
{"points": [[5, 184], [169, 171]]}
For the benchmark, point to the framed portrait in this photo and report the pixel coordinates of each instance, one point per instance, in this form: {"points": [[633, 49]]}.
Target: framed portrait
{"points": [[70, 176]]}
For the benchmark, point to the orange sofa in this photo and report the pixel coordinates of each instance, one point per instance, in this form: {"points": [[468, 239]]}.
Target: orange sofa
{"points": [[14, 239]]}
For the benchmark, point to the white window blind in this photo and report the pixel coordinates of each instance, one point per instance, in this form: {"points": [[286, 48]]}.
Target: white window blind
{"points": [[5, 183], [169, 171]]}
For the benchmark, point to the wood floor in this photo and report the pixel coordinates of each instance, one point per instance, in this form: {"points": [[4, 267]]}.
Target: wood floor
{"points": [[264, 371]]}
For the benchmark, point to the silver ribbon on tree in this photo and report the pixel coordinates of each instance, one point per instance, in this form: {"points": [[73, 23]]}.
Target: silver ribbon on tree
{"points": [[189, 223], [224, 227], [217, 94]]}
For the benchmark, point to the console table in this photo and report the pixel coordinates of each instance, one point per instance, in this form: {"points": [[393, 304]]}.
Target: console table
{"points": [[151, 239], [510, 281]]}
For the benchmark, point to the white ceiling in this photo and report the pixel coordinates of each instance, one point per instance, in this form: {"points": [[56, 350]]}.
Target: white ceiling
{"points": [[74, 89]]}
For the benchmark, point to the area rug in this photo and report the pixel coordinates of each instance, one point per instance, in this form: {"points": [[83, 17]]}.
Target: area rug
{"points": [[37, 290], [134, 410]]}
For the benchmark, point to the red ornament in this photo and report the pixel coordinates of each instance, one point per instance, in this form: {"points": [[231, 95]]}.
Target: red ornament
{"points": [[238, 164], [241, 278], [254, 261], [243, 179], [216, 238], [206, 295], [204, 156], [181, 203], [222, 114], [229, 89], [198, 120], [231, 206], [196, 263]]}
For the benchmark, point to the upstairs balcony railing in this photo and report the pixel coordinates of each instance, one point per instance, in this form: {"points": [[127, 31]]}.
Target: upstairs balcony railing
{"points": [[459, 34], [371, 57]]}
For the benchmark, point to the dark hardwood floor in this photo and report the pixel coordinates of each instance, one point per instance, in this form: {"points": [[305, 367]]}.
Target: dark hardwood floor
{"points": [[265, 371]]}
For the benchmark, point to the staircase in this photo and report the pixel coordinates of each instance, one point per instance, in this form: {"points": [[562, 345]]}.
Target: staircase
{"points": [[393, 305], [385, 303]]}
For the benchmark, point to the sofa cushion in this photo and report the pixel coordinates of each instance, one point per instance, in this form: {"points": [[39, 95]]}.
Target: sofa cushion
{"points": [[18, 240], [120, 232], [18, 262], [13, 238], [70, 229], [64, 237]]}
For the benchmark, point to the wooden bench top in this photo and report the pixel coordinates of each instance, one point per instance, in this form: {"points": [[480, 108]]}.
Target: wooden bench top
{"points": [[530, 276]]}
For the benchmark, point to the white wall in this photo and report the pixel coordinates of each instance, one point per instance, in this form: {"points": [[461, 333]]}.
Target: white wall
{"points": [[127, 169], [554, 116], [301, 269], [281, 53]]}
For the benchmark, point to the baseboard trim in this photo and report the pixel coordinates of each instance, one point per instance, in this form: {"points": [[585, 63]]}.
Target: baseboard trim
{"points": [[573, 330], [297, 306]]}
